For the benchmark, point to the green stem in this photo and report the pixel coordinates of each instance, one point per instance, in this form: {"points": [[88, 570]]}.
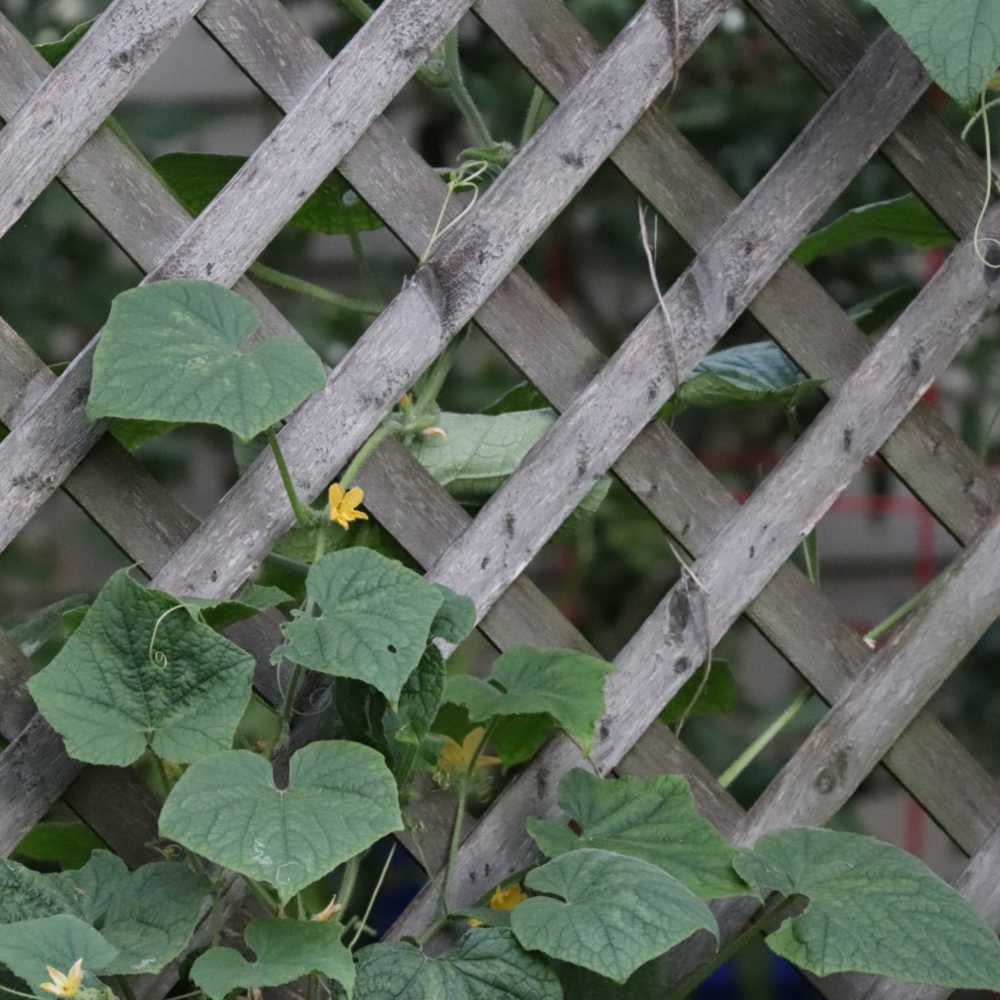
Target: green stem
{"points": [[161, 769], [262, 894], [900, 613], [437, 924], [302, 513], [770, 912], [363, 452], [535, 115], [460, 92], [18, 993], [456, 831], [359, 9], [347, 883], [746, 758], [428, 388], [126, 987], [372, 898], [293, 284]]}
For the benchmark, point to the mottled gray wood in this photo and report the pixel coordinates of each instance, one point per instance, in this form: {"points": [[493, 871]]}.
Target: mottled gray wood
{"points": [[80, 93], [224, 240], [555, 355], [464, 268], [728, 272], [679, 183], [744, 555]]}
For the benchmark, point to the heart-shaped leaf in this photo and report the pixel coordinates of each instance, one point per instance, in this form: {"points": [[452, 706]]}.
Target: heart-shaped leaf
{"points": [[140, 673], [180, 351], [196, 178], [456, 617], [406, 728], [566, 684], [488, 965], [376, 616], [872, 908], [340, 799], [28, 948], [958, 42], [147, 915], [285, 950], [614, 914], [654, 819]]}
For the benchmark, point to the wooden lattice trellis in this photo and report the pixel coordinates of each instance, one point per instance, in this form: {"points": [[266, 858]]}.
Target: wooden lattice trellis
{"points": [[54, 129]]}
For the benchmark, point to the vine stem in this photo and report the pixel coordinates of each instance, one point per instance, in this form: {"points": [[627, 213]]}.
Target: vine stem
{"points": [[376, 438], [460, 92], [262, 894], [535, 115], [456, 832], [372, 898], [318, 292], [347, 883], [770, 912], [302, 514]]}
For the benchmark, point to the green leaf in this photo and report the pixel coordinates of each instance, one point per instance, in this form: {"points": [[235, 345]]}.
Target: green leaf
{"points": [[54, 52], [619, 912], [906, 220], [220, 613], [30, 946], [376, 615], [68, 845], [566, 684], [872, 908], [518, 738], [418, 706], [339, 800], [480, 451], [133, 434], [114, 689], [718, 695], [523, 396], [196, 178], [654, 819], [43, 626], [148, 915], [178, 351], [488, 965], [738, 376], [880, 310], [456, 617], [285, 950], [958, 43]]}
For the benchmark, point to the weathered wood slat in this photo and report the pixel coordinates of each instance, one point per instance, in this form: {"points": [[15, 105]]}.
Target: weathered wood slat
{"points": [[734, 567], [667, 169], [225, 239], [542, 340], [463, 269], [80, 93]]}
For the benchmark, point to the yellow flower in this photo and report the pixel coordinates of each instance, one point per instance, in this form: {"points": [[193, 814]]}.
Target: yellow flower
{"points": [[454, 759], [65, 986], [343, 505], [504, 899]]}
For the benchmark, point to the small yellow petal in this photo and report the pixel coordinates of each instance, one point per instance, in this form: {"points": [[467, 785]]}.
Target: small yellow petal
{"points": [[507, 899]]}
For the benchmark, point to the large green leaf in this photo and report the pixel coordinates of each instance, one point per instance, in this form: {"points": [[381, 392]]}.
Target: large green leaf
{"points": [[55, 52], [479, 451], [906, 220], [614, 914], [376, 615], [339, 800], [68, 845], [29, 947], [177, 351], [456, 617], [147, 915], [285, 950], [251, 600], [196, 178], [564, 683], [958, 42], [654, 819], [407, 727], [738, 376], [488, 965], [137, 673], [872, 908], [43, 626]]}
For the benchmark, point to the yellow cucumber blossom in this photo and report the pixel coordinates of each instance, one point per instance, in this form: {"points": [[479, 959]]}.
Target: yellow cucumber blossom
{"points": [[343, 505], [454, 758], [504, 899], [65, 985]]}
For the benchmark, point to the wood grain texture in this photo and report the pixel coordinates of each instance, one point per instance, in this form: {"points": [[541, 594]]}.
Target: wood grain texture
{"points": [[560, 359], [224, 240], [80, 93]]}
